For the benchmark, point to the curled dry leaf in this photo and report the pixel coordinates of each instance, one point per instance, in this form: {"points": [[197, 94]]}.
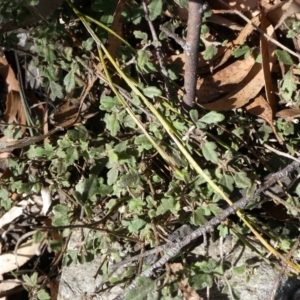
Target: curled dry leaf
{"points": [[24, 253], [240, 5], [13, 213], [187, 291], [289, 114], [223, 82], [47, 200], [248, 88], [244, 91], [261, 108], [8, 287], [268, 59]]}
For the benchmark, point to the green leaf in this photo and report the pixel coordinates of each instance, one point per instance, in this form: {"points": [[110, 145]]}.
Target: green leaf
{"points": [[227, 182], [284, 57], [60, 220], [288, 86], [112, 123], [33, 2], [43, 295], [6, 204], [38, 236], [241, 180], [210, 52], [136, 205], [145, 287], [143, 61], [88, 44], [143, 142], [209, 152], [201, 281], [32, 280], [140, 35], [71, 156], [197, 217], [61, 209], [112, 175], [168, 204], [194, 115], [109, 103], [152, 92], [207, 266], [69, 81], [129, 180], [50, 73], [240, 51], [136, 225], [68, 52], [155, 9], [56, 91], [212, 117], [49, 55], [239, 270], [87, 189]]}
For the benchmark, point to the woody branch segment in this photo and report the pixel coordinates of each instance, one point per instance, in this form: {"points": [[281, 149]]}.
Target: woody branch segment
{"points": [[191, 51]]}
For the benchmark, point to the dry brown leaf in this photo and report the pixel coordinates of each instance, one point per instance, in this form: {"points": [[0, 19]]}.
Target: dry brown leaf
{"points": [[222, 21], [240, 5], [261, 108], [24, 253], [268, 60], [239, 41], [12, 107], [244, 91], [187, 291], [117, 26], [281, 9], [289, 114], [8, 286], [224, 81], [54, 286], [8, 75], [251, 85], [65, 114], [13, 213]]}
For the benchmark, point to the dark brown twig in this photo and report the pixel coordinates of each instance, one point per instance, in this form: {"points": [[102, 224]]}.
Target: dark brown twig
{"points": [[192, 52]]}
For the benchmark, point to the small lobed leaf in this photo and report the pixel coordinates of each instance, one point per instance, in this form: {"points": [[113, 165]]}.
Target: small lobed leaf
{"points": [[152, 91], [155, 9], [209, 152], [194, 115], [136, 225], [284, 57], [56, 91], [210, 52], [241, 180], [212, 118], [112, 123], [69, 81]]}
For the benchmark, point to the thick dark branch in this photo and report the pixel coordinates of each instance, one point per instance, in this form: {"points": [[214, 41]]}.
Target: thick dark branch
{"points": [[192, 52]]}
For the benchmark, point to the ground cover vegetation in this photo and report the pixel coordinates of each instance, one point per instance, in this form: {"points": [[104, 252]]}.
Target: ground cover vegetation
{"points": [[100, 131]]}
